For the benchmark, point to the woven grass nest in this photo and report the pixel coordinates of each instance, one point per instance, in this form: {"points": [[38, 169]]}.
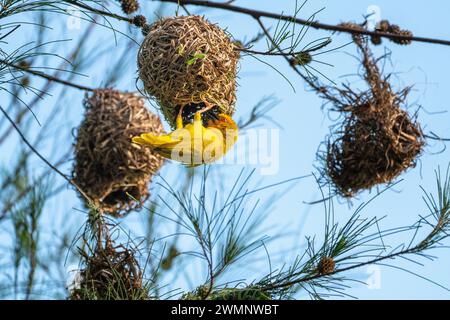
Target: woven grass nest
{"points": [[110, 273], [190, 62], [107, 165], [377, 140]]}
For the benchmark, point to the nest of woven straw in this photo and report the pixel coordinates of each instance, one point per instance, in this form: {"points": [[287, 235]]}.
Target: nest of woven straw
{"points": [[377, 140], [108, 166], [188, 61], [110, 273]]}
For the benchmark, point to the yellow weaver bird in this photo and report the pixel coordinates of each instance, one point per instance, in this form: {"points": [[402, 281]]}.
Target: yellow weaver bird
{"points": [[194, 144]]}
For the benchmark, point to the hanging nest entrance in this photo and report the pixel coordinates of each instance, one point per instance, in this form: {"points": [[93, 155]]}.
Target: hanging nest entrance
{"points": [[108, 166], [110, 273], [190, 62], [377, 140]]}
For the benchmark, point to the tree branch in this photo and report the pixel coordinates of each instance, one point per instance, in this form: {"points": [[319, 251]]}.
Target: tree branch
{"points": [[288, 284], [314, 24], [98, 11]]}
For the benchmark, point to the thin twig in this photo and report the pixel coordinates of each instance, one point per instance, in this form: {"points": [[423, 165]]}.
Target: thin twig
{"points": [[313, 24], [48, 84], [413, 250], [98, 11], [269, 53], [306, 79], [69, 180], [47, 76]]}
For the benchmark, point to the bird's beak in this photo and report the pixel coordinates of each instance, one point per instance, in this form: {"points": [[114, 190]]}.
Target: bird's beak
{"points": [[225, 118]]}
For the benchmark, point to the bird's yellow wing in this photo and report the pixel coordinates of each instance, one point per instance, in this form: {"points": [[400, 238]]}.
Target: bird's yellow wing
{"points": [[156, 141]]}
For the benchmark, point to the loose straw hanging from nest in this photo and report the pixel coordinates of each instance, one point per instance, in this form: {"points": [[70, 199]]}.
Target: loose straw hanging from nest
{"points": [[108, 166], [377, 140], [187, 61]]}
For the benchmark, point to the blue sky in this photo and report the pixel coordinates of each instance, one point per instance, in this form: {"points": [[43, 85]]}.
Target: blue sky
{"points": [[303, 127]]}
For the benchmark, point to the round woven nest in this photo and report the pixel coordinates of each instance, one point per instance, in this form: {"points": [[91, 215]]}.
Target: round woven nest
{"points": [[377, 140], [190, 62], [375, 146], [110, 273], [107, 165]]}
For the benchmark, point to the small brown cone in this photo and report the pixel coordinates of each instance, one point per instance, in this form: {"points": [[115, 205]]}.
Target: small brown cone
{"points": [[129, 6], [326, 266]]}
